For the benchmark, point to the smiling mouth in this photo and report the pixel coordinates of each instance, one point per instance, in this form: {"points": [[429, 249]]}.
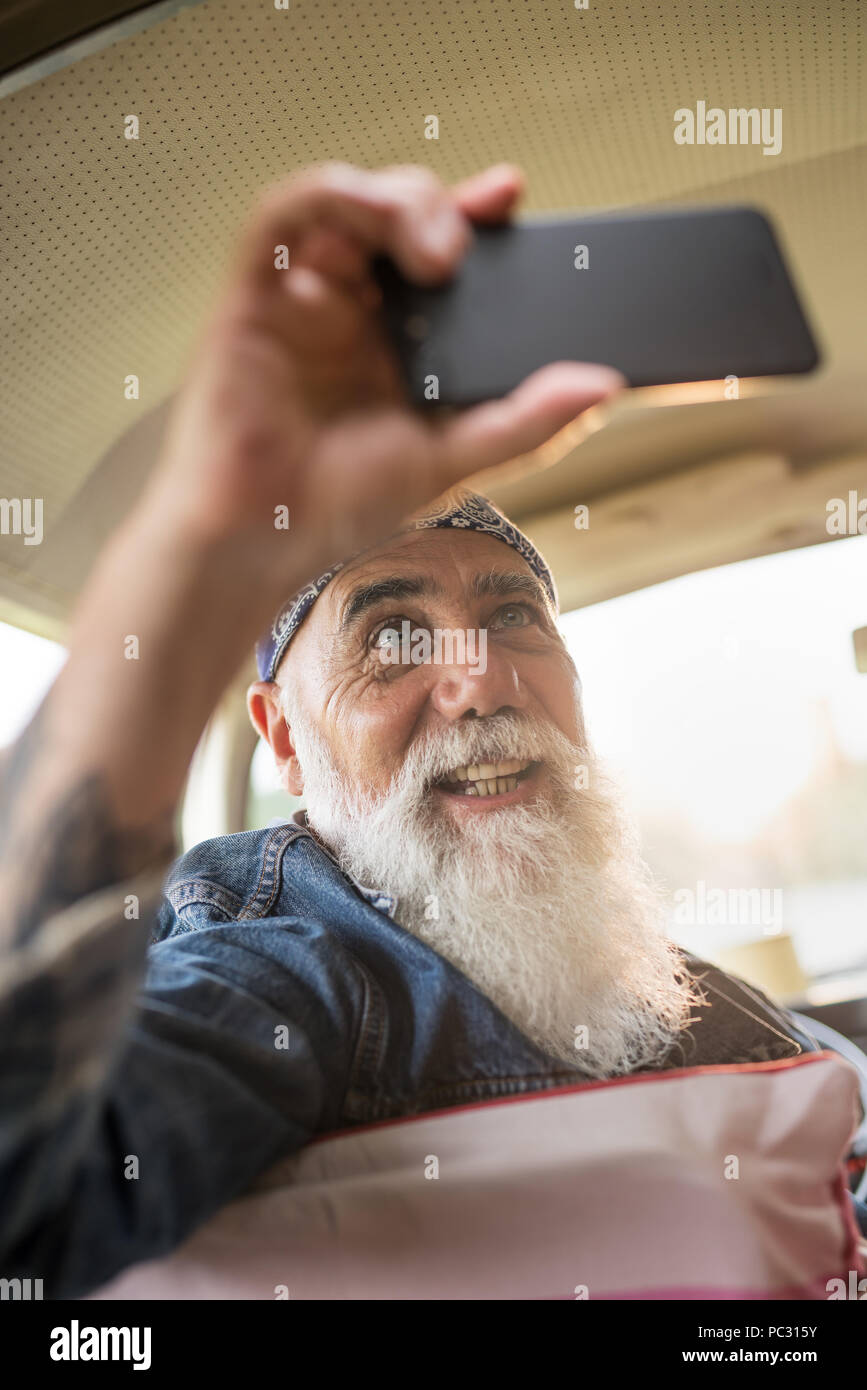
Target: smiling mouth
{"points": [[487, 779]]}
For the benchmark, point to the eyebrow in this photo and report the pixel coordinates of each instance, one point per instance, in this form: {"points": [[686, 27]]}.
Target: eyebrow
{"points": [[501, 583], [493, 584], [396, 588]]}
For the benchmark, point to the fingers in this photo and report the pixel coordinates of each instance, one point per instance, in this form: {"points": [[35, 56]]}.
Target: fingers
{"points": [[326, 316], [503, 429], [334, 217], [339, 254], [491, 195], [405, 213], [339, 365]]}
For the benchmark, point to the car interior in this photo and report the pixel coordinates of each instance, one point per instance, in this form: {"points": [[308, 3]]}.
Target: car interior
{"points": [[708, 539]]}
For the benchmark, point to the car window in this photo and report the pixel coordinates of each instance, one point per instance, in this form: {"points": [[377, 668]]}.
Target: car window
{"points": [[266, 801], [29, 665], [730, 706]]}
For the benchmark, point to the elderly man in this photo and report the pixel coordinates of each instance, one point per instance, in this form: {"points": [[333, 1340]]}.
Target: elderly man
{"points": [[461, 913], [463, 802]]}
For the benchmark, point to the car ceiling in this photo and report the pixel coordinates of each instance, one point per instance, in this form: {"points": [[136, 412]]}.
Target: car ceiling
{"points": [[114, 247]]}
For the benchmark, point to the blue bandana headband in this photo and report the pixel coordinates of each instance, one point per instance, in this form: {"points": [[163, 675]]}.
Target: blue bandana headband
{"points": [[472, 513]]}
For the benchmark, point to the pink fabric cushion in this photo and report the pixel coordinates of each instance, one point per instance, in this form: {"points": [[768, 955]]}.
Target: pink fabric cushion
{"points": [[716, 1182]]}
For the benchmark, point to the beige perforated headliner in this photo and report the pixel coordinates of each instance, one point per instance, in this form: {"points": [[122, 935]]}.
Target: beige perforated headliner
{"points": [[113, 247]]}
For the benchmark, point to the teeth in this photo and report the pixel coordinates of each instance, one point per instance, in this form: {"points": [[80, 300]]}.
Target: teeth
{"points": [[488, 772], [491, 786]]}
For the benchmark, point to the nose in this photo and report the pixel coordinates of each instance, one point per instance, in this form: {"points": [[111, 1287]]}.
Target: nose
{"points": [[462, 690]]}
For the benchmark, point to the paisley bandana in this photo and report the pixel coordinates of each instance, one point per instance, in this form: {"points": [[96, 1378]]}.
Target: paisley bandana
{"points": [[472, 513]]}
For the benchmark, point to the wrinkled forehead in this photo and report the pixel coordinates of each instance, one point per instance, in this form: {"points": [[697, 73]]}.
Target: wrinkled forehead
{"points": [[456, 566], [458, 514], [455, 534]]}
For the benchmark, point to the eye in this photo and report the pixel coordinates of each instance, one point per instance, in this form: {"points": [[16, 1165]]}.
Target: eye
{"points": [[385, 637], [514, 615], [392, 638]]}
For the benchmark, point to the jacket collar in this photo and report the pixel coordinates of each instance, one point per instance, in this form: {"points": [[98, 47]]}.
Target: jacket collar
{"points": [[382, 901]]}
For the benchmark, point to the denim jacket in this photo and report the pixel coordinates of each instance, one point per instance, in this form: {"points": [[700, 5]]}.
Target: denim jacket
{"points": [[166, 1042]]}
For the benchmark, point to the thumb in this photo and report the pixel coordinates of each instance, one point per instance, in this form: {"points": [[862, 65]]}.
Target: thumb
{"points": [[500, 430]]}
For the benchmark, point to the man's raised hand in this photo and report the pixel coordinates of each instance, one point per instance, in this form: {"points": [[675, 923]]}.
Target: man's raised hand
{"points": [[295, 399]]}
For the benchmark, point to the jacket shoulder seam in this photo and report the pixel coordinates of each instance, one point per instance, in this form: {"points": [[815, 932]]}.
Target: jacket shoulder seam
{"points": [[270, 872]]}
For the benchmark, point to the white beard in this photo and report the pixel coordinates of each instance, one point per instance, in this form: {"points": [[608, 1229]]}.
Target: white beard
{"points": [[545, 906]]}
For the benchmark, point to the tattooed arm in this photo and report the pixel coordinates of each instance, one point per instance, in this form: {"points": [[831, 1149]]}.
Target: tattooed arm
{"points": [[293, 400], [46, 864], [87, 798], [88, 793]]}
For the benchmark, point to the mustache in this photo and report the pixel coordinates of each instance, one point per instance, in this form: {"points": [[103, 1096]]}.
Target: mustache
{"points": [[493, 738]]}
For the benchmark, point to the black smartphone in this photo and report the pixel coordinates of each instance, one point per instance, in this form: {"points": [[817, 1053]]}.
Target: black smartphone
{"points": [[665, 296]]}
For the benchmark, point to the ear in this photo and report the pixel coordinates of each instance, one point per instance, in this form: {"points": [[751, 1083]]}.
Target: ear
{"points": [[267, 718]]}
